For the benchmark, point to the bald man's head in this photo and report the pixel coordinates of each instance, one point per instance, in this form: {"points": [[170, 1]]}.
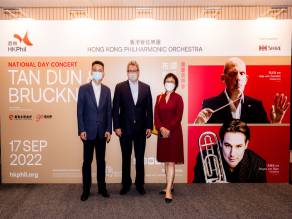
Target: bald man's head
{"points": [[234, 76], [234, 61]]}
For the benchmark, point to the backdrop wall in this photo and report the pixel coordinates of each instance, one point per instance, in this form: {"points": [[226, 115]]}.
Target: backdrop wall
{"points": [[43, 63]]}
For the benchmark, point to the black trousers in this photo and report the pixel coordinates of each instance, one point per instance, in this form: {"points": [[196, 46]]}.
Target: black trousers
{"points": [[126, 141], [99, 144]]}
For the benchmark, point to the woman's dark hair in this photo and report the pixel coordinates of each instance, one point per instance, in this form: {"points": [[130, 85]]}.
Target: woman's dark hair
{"points": [[235, 126], [171, 75]]}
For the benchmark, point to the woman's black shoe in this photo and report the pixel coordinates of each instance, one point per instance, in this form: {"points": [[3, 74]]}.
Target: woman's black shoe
{"points": [[168, 200]]}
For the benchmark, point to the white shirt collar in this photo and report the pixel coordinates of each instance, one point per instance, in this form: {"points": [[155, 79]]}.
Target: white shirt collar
{"points": [[228, 98], [235, 111], [95, 86], [133, 83]]}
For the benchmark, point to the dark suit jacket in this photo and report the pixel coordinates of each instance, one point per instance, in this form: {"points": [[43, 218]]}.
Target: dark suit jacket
{"points": [[251, 169], [93, 120], [128, 116], [252, 110]]}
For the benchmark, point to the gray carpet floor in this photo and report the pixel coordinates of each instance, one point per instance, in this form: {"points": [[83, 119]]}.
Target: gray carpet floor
{"points": [[190, 201]]}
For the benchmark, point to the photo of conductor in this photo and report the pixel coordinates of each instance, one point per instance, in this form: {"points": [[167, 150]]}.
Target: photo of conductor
{"points": [[232, 103], [240, 164]]}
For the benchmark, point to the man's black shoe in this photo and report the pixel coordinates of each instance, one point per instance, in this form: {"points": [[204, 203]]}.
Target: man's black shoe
{"points": [[124, 190], [141, 190], [104, 193], [84, 196]]}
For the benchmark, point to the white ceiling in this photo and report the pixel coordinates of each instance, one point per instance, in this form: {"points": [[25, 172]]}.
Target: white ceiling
{"points": [[138, 3]]}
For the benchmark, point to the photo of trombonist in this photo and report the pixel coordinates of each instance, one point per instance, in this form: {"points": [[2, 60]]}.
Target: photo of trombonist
{"points": [[240, 164], [232, 103]]}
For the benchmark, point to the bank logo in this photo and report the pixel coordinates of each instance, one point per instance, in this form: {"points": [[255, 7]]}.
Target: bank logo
{"points": [[266, 48], [19, 44], [20, 117], [38, 117]]}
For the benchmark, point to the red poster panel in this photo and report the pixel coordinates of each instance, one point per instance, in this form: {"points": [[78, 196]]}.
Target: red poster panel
{"points": [[269, 142], [263, 83]]}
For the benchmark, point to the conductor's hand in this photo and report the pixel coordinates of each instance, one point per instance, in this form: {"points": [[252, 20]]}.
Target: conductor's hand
{"points": [[204, 115], [279, 108]]}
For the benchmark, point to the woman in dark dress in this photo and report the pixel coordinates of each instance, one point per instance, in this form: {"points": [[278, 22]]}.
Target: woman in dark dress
{"points": [[167, 119]]}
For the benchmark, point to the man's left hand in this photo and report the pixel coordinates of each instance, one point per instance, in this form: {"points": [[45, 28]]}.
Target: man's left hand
{"points": [[148, 133], [107, 135]]}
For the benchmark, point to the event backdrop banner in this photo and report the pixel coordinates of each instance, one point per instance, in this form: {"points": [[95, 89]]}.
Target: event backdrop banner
{"points": [[43, 64]]}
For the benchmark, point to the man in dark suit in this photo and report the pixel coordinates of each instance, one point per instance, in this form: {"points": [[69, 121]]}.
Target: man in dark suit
{"points": [[133, 122], [94, 114], [252, 110], [233, 104], [240, 164]]}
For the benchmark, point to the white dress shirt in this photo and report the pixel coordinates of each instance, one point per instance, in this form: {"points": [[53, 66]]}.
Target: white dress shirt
{"points": [[134, 90], [236, 112], [96, 89]]}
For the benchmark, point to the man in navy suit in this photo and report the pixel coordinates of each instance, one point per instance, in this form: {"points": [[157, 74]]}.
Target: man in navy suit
{"points": [[233, 104], [133, 122], [94, 114]]}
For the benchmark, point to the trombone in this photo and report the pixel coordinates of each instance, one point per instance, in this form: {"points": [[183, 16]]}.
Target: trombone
{"points": [[211, 158]]}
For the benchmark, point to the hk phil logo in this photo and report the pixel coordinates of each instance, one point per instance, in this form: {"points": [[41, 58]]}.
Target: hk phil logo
{"points": [[266, 48], [19, 44]]}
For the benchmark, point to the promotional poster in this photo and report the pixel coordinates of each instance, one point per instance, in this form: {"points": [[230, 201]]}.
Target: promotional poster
{"points": [[43, 64]]}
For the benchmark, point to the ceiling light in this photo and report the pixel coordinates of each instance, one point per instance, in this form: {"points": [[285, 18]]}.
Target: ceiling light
{"points": [[78, 13], [14, 12]]}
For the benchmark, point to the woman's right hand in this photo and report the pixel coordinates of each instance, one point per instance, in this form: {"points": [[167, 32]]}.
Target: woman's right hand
{"points": [[164, 132]]}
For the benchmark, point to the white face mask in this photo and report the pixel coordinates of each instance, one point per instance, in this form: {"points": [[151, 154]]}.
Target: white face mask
{"points": [[96, 75], [169, 86], [133, 77]]}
